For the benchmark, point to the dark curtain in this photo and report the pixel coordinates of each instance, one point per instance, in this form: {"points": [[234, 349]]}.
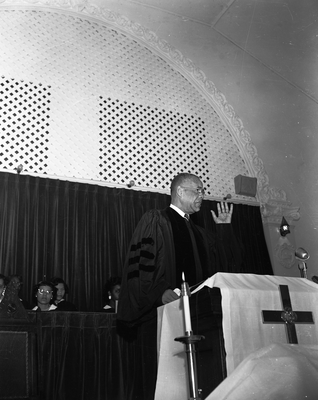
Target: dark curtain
{"points": [[81, 233], [81, 357]]}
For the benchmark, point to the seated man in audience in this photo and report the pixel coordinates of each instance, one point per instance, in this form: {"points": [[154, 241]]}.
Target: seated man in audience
{"points": [[62, 290], [112, 292], [44, 293]]}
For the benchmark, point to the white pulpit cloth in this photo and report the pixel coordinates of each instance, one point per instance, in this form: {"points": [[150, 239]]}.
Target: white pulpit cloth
{"points": [[172, 364], [276, 372], [244, 296]]}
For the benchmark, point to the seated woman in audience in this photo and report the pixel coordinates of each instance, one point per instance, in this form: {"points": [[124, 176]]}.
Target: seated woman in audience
{"points": [[17, 280], [112, 292], [45, 293], [62, 291]]}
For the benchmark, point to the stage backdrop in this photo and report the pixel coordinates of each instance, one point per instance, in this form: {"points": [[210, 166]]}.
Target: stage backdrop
{"points": [[81, 233]]}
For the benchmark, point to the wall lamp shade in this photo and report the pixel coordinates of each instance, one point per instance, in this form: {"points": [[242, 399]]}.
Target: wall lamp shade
{"points": [[284, 227]]}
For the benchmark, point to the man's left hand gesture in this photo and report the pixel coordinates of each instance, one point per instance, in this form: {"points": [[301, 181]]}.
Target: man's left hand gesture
{"points": [[224, 213]]}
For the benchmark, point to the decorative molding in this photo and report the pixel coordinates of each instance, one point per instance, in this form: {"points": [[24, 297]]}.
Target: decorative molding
{"points": [[285, 252], [72, 5], [273, 213], [274, 201]]}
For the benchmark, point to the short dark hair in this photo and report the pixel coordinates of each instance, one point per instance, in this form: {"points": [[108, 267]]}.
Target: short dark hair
{"points": [[179, 179], [37, 286], [56, 280]]}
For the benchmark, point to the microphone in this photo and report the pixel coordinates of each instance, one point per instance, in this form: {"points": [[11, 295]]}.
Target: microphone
{"points": [[302, 255], [228, 196]]}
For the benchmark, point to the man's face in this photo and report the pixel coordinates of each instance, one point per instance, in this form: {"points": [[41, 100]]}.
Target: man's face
{"points": [[60, 291], [191, 197]]}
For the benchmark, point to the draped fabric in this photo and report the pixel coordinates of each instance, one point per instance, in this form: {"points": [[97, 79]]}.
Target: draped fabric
{"points": [[81, 357], [81, 233]]}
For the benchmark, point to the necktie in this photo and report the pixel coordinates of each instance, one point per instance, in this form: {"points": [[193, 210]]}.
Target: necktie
{"points": [[198, 267]]}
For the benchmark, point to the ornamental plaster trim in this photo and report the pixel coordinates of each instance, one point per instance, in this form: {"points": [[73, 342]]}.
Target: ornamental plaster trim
{"points": [[273, 213], [285, 253], [266, 195]]}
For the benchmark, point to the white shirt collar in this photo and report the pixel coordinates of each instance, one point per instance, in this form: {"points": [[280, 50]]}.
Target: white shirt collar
{"points": [[180, 212], [52, 307]]}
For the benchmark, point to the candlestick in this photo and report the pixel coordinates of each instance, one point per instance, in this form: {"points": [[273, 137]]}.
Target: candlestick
{"points": [[190, 341], [185, 292]]}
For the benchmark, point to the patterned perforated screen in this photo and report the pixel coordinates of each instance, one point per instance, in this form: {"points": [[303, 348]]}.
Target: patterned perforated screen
{"points": [[80, 99]]}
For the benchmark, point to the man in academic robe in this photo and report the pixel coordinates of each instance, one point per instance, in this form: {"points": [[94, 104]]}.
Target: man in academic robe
{"points": [[165, 244]]}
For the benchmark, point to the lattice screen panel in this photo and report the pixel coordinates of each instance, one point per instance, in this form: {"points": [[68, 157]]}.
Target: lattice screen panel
{"points": [[151, 144], [104, 106], [24, 119]]}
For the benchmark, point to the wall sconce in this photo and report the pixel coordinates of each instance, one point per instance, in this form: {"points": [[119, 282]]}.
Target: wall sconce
{"points": [[302, 255], [284, 227], [19, 168], [131, 184], [227, 197]]}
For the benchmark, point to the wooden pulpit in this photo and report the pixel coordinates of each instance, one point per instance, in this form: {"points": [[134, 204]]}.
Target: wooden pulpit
{"points": [[244, 297]]}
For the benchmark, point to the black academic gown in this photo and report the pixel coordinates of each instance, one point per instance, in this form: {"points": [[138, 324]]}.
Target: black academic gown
{"points": [[160, 250]]}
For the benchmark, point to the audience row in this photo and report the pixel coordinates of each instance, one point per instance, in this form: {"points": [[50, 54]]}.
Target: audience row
{"points": [[49, 295]]}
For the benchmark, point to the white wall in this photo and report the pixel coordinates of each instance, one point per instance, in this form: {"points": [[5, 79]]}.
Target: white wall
{"points": [[261, 56]]}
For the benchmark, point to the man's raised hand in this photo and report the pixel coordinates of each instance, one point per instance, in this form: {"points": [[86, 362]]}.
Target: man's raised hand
{"points": [[224, 213]]}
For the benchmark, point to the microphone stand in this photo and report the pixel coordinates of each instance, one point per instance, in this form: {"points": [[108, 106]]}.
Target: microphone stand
{"points": [[303, 269]]}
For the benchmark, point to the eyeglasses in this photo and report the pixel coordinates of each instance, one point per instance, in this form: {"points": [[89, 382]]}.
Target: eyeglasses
{"points": [[42, 291], [200, 191]]}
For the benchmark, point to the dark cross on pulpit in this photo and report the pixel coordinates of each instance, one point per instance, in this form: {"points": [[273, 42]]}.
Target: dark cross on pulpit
{"points": [[287, 316]]}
